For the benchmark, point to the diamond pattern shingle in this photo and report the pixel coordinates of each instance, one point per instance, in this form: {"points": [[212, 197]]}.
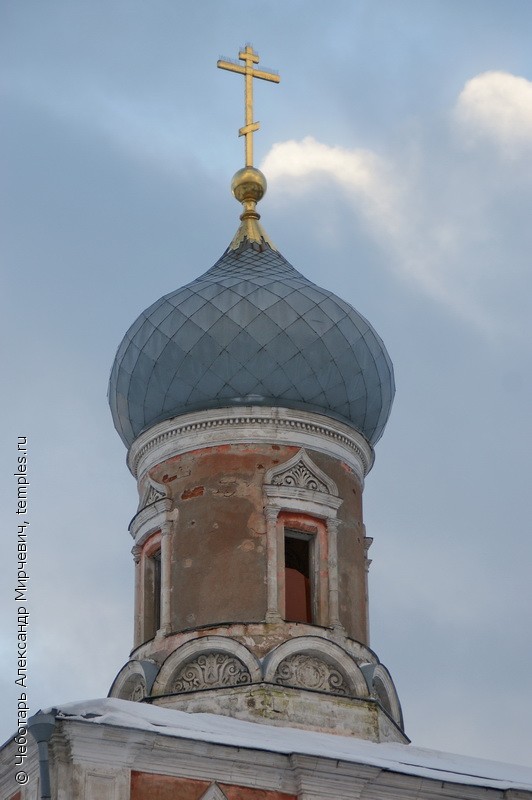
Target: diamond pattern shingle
{"points": [[251, 330]]}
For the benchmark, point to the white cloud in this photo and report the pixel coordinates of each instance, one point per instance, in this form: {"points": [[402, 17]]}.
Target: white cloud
{"points": [[497, 106], [421, 245], [447, 221], [361, 172], [430, 222]]}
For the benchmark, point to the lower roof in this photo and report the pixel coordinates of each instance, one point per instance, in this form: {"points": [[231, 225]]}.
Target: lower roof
{"points": [[215, 729]]}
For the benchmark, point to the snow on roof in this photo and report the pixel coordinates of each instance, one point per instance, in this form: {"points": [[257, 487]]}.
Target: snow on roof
{"points": [[224, 730]]}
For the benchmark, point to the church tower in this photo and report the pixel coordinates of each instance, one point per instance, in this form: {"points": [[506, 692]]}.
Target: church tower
{"points": [[250, 401]]}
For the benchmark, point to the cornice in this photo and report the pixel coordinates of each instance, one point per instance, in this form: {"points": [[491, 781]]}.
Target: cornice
{"points": [[149, 519], [310, 776], [166, 754], [247, 425]]}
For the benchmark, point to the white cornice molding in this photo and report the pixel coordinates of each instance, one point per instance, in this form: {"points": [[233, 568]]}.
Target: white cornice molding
{"points": [[160, 754], [249, 425], [150, 519], [293, 499], [313, 777]]}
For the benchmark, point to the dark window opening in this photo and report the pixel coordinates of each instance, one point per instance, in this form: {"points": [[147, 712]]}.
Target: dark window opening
{"points": [[156, 560], [152, 594], [297, 568]]}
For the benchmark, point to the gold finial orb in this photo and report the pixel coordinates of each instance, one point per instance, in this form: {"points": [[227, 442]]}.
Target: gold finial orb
{"points": [[249, 184]]}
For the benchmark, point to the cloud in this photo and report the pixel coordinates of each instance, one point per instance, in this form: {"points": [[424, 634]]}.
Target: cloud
{"points": [[383, 192], [426, 209], [445, 218], [497, 106], [359, 171]]}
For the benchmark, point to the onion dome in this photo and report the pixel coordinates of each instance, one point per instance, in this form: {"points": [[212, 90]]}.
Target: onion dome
{"points": [[251, 331]]}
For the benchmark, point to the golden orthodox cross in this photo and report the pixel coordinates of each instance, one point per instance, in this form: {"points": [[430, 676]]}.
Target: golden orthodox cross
{"points": [[249, 57]]}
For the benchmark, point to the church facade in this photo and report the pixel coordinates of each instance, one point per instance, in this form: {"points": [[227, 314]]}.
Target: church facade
{"points": [[250, 401]]}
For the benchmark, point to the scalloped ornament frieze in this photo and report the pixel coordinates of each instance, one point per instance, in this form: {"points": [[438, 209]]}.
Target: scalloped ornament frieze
{"points": [[210, 670], [308, 672]]}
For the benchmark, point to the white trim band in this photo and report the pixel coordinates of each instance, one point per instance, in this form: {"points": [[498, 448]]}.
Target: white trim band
{"points": [[249, 425]]}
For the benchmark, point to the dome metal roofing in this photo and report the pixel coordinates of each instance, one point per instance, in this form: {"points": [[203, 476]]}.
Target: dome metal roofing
{"points": [[251, 331]]}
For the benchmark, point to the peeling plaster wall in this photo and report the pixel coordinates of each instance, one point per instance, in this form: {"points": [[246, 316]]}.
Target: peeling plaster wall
{"points": [[219, 549], [167, 787]]}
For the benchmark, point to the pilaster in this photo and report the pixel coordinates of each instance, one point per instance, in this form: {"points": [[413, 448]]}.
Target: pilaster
{"points": [[272, 544]]}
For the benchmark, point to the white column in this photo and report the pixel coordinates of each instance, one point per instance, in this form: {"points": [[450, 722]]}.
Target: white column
{"points": [[272, 567], [332, 549], [139, 613], [166, 576], [368, 541]]}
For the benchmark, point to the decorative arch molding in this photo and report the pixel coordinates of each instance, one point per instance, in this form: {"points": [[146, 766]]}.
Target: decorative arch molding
{"points": [[382, 688], [207, 663], [150, 519], [314, 663], [134, 681]]}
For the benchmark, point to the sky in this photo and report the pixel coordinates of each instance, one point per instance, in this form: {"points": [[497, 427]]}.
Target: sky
{"points": [[397, 149]]}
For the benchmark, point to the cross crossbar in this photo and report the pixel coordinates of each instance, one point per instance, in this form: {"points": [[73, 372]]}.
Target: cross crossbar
{"points": [[249, 57]]}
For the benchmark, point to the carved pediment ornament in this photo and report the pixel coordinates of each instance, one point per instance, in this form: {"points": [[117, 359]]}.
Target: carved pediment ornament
{"points": [[134, 689], [301, 477], [210, 670], [309, 672], [151, 494], [301, 473], [138, 693]]}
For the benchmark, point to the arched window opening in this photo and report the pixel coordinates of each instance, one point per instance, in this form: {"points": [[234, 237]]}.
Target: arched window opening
{"points": [[156, 567], [298, 557], [152, 593]]}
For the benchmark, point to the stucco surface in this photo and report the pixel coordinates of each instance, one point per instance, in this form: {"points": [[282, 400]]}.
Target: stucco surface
{"points": [[219, 548]]}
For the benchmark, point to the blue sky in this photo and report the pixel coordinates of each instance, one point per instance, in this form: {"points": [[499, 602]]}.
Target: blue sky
{"points": [[397, 150]]}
